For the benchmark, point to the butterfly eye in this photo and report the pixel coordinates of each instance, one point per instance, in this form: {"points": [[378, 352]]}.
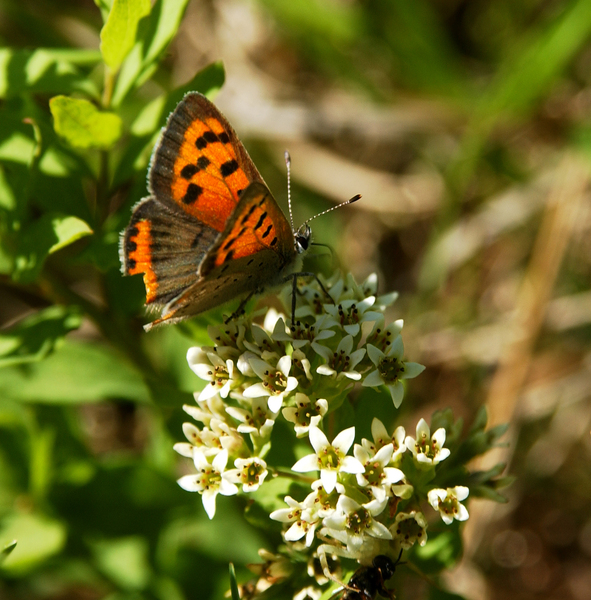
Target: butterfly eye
{"points": [[302, 238]]}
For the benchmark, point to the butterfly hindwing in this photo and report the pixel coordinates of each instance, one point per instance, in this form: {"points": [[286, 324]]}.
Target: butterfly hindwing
{"points": [[251, 253], [200, 165], [166, 246]]}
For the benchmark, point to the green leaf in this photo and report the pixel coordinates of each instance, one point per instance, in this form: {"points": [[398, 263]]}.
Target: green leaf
{"points": [[7, 550], [38, 539], [76, 373], [442, 550], [45, 236], [233, 582], [208, 81], [119, 33], [82, 125], [37, 336], [47, 70], [125, 561], [154, 35]]}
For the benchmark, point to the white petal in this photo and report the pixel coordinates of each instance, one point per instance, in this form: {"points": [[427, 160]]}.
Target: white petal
{"points": [[189, 483], [208, 499], [344, 440], [325, 370], [461, 492], [412, 369], [397, 393], [375, 354], [184, 449], [462, 513], [329, 479], [220, 461], [295, 532], [352, 465], [439, 437], [284, 365], [275, 403], [306, 464], [396, 349], [352, 329], [374, 379], [318, 439], [256, 390], [423, 430]]}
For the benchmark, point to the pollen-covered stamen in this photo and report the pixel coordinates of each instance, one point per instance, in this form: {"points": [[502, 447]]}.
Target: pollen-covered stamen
{"points": [[381, 339], [348, 316], [340, 361], [374, 473], [209, 478], [329, 458], [390, 369], [358, 521], [303, 331], [252, 473], [275, 381]]}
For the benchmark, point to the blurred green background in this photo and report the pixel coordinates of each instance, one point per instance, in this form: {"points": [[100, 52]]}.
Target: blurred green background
{"points": [[465, 125]]}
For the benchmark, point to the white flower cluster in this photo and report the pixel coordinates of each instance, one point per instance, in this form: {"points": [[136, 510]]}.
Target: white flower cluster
{"points": [[257, 374]]}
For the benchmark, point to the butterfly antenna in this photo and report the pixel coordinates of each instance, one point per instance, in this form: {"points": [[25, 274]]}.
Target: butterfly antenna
{"points": [[350, 201], [288, 167]]}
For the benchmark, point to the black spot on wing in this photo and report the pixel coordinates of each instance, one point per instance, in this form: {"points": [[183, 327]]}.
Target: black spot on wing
{"points": [[228, 168], [193, 192]]}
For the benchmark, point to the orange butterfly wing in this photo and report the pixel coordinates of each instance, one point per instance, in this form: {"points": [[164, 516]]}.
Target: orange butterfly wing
{"points": [[209, 213], [200, 164]]}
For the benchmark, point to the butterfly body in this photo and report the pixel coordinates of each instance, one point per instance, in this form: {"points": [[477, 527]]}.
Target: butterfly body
{"points": [[210, 231]]}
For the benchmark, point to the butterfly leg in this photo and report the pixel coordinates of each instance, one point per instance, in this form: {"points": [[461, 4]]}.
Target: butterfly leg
{"points": [[294, 277], [240, 310]]}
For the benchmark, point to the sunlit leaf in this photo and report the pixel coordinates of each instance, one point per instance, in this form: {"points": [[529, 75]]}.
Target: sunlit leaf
{"points": [[38, 539], [76, 373], [154, 35], [46, 70], [119, 33], [37, 336], [45, 236], [82, 124]]}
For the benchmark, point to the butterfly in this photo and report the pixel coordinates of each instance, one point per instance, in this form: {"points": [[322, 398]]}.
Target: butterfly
{"points": [[210, 230]]}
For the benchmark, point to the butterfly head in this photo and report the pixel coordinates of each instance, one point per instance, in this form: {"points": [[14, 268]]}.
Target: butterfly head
{"points": [[302, 238]]}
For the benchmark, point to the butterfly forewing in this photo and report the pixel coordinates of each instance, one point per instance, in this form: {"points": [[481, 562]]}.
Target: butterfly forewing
{"points": [[200, 164]]}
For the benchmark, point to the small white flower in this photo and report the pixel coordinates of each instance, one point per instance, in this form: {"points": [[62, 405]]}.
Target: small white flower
{"points": [[301, 333], [208, 364], [250, 472], [378, 476], [276, 382], [382, 337], [342, 362], [304, 522], [265, 345], [329, 459], [447, 502], [209, 480], [391, 370], [352, 522], [259, 420], [230, 335], [350, 314], [428, 450], [305, 414], [382, 438], [409, 528]]}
